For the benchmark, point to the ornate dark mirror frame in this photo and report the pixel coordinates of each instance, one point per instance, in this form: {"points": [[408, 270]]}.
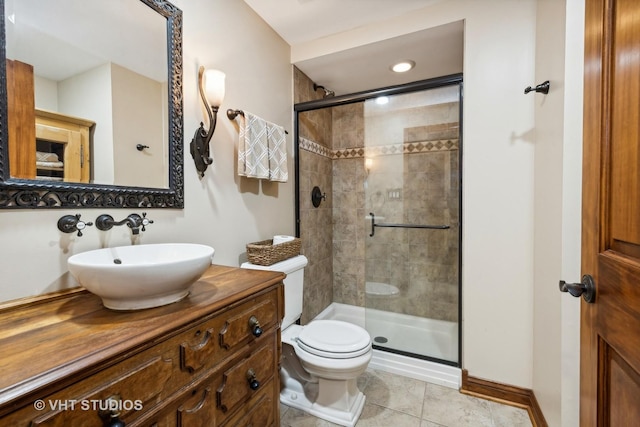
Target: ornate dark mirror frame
{"points": [[31, 194]]}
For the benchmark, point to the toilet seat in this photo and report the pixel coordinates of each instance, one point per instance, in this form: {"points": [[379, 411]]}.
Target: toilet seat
{"points": [[334, 339]]}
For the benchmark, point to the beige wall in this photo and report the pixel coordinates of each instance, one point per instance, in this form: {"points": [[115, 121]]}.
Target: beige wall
{"points": [[558, 152], [98, 107], [128, 109], [46, 91], [138, 113], [571, 212], [548, 209], [221, 209]]}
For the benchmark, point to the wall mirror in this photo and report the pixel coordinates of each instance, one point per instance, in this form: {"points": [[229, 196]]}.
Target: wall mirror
{"points": [[91, 104]]}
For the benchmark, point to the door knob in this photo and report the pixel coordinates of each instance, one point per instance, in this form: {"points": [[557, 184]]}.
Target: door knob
{"points": [[586, 288]]}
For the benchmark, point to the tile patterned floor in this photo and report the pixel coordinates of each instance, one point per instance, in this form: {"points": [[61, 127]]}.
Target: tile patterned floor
{"points": [[398, 401]]}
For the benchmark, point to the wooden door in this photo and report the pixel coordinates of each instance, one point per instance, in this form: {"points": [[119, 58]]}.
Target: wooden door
{"points": [[610, 327], [21, 120]]}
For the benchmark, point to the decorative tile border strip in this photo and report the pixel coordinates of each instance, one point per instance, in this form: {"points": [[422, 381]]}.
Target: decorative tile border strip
{"points": [[381, 150], [314, 147]]}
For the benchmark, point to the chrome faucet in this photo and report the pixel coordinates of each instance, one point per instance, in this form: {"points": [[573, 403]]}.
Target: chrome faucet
{"points": [[134, 221]]}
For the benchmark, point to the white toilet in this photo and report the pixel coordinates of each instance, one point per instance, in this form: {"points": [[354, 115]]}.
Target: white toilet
{"points": [[321, 362]]}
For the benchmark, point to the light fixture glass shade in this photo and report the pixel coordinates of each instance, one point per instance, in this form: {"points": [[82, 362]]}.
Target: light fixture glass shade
{"points": [[368, 162], [214, 87]]}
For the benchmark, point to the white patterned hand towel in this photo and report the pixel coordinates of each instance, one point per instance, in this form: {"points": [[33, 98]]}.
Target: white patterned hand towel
{"points": [[277, 143], [253, 148], [262, 149]]}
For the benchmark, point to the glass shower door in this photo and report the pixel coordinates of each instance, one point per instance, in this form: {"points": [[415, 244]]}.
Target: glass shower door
{"points": [[412, 219]]}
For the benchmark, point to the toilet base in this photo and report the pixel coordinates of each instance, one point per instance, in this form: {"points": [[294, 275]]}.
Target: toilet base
{"points": [[319, 399]]}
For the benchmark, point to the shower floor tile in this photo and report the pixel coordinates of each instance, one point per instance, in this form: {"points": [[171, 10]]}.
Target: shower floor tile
{"points": [[394, 400]]}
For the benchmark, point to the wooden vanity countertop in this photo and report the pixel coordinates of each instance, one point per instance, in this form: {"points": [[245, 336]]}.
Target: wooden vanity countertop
{"points": [[59, 339]]}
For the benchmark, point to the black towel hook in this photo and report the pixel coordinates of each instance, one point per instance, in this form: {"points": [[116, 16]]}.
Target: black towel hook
{"points": [[541, 88]]}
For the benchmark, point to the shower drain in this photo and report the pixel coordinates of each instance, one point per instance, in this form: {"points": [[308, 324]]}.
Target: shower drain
{"points": [[381, 340]]}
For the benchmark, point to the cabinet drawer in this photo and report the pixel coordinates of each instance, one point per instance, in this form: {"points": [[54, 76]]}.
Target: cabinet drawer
{"points": [[194, 408], [261, 411], [210, 343], [134, 385], [246, 378], [224, 396]]}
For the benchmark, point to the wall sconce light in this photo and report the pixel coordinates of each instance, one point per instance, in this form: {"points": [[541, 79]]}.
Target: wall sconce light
{"points": [[368, 162], [211, 88]]}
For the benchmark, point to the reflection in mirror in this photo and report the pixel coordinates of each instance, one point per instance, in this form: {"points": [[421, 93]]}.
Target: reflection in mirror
{"points": [[85, 91], [98, 70]]}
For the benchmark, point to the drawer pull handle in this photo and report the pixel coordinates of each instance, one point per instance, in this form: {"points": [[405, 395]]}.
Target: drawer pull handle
{"points": [[111, 417], [115, 421], [254, 324], [254, 384]]}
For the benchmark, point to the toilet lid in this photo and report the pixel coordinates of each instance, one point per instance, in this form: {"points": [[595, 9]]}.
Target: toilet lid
{"points": [[334, 339]]}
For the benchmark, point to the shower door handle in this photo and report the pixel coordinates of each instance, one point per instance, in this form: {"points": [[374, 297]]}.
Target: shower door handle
{"points": [[373, 224], [424, 226]]}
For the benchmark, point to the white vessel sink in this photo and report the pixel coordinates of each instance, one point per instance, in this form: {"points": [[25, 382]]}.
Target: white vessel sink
{"points": [[142, 276]]}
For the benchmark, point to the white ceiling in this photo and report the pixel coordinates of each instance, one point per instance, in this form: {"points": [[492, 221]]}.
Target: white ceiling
{"points": [[127, 33], [436, 51]]}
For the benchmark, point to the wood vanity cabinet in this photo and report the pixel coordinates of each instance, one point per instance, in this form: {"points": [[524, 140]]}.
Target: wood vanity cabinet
{"points": [[211, 359]]}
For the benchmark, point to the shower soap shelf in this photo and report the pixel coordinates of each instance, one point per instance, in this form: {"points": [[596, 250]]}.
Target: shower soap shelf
{"points": [[266, 253]]}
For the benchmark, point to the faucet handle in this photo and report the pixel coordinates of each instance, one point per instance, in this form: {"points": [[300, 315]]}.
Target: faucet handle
{"points": [[71, 223], [81, 225], [145, 221]]}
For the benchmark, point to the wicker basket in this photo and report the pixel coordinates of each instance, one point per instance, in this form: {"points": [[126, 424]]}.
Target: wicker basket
{"points": [[266, 253]]}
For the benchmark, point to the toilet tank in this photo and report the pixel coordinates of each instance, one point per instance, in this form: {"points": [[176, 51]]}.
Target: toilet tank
{"points": [[293, 285]]}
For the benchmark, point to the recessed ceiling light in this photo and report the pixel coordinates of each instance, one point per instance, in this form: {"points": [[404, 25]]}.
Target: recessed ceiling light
{"points": [[381, 100], [403, 66]]}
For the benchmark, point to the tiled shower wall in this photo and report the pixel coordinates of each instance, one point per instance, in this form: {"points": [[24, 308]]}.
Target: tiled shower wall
{"points": [[316, 230], [349, 236], [422, 164]]}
